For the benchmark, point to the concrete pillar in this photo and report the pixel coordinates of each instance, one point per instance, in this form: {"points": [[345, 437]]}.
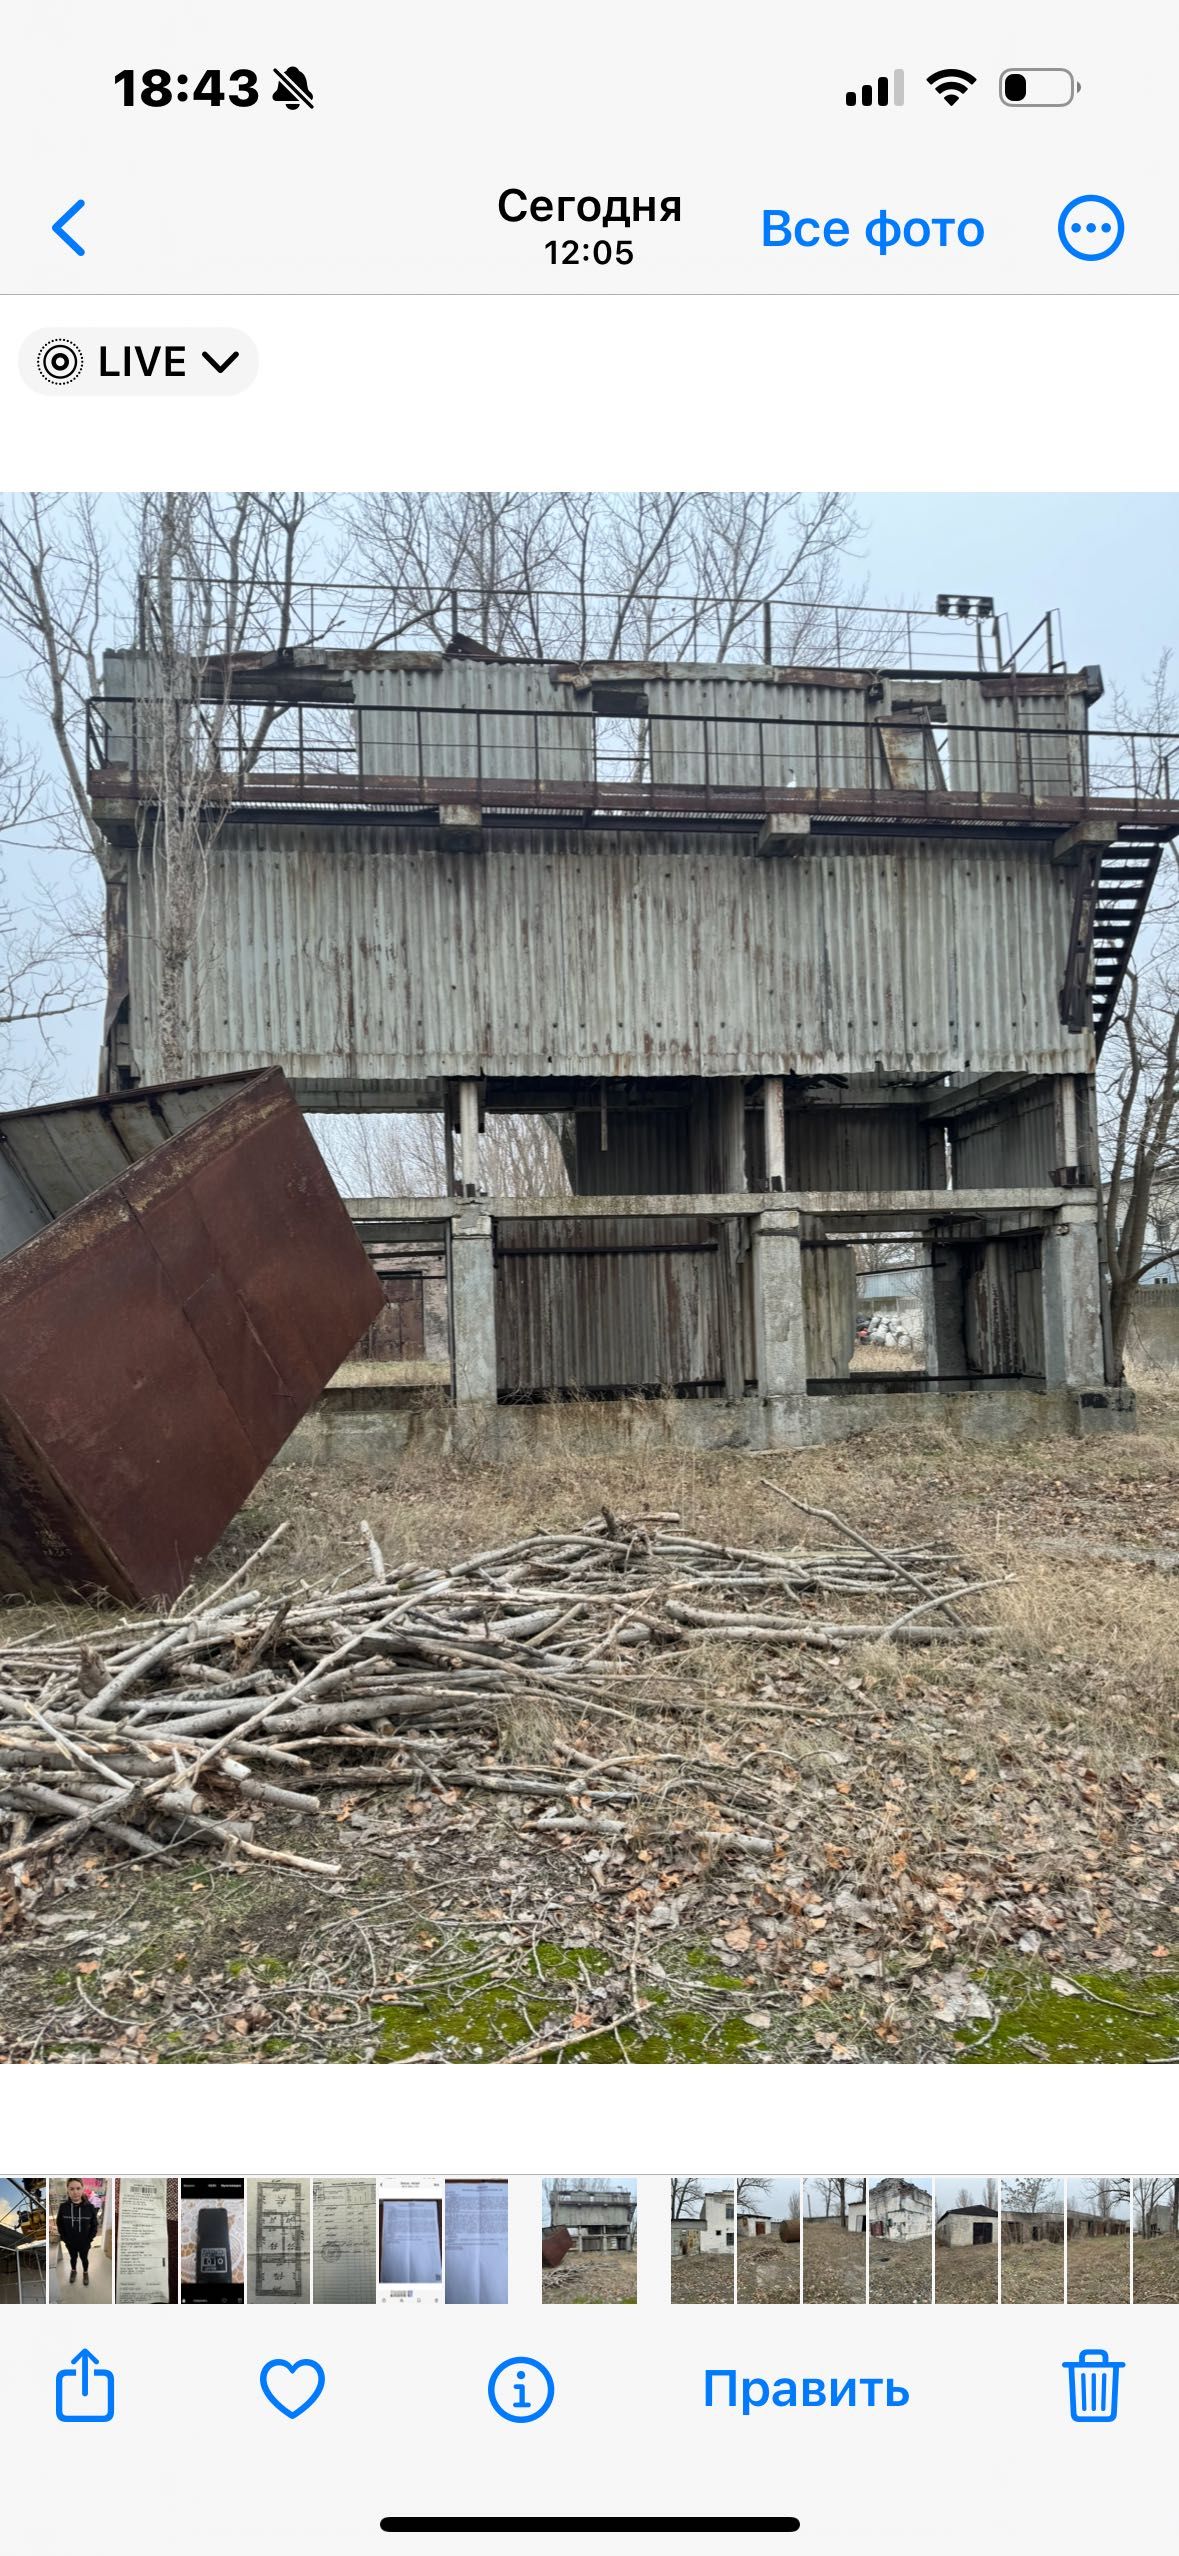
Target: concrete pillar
{"points": [[468, 1099], [1071, 1283], [775, 1132], [945, 1337], [472, 1309], [779, 1325]]}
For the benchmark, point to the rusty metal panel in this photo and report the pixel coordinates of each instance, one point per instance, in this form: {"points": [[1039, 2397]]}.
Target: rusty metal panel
{"points": [[373, 956], [160, 1339], [602, 1305]]}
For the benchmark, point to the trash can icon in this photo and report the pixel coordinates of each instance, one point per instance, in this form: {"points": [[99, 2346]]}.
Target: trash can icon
{"points": [[1093, 2387]]}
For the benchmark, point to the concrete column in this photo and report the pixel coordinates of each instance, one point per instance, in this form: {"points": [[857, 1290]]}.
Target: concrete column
{"points": [[468, 1100], [779, 1325], [945, 1320], [1071, 1283], [775, 1132], [472, 1309]]}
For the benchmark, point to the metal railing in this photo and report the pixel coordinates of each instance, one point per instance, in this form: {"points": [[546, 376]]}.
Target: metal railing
{"points": [[574, 759], [573, 625]]}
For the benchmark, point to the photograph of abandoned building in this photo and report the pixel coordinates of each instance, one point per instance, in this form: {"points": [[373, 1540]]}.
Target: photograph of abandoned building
{"points": [[589, 2242], [834, 2241], [1097, 2240], [898, 2215], [1032, 2241], [603, 1239], [769, 2244], [966, 2241], [23, 2227], [704, 2224], [1156, 2240]]}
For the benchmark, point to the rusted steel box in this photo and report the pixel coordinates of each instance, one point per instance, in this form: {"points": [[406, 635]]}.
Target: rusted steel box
{"points": [[179, 1280]]}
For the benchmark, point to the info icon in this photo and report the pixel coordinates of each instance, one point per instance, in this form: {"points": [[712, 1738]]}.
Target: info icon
{"points": [[521, 2390], [59, 362]]}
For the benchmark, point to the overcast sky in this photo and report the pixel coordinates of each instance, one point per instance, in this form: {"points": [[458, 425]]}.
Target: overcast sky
{"points": [[1107, 563]]}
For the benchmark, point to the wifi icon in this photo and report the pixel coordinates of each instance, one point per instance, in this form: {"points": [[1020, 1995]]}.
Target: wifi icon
{"points": [[951, 85]]}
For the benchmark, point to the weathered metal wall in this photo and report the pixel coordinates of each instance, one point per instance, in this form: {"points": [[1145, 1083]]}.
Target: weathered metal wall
{"points": [[1010, 1144], [605, 1306], [372, 955], [1003, 1307], [50, 1158], [828, 1308], [162, 1337], [865, 1149]]}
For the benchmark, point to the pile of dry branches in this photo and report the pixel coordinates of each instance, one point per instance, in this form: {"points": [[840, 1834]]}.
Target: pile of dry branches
{"points": [[187, 1726]]}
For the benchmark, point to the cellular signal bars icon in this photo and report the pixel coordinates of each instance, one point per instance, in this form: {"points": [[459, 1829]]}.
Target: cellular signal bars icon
{"points": [[876, 92]]}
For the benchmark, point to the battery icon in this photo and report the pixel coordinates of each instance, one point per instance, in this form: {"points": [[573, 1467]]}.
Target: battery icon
{"points": [[1037, 88]]}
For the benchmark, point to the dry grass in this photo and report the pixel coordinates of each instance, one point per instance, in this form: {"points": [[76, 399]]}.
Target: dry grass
{"points": [[900, 2274], [871, 1358], [768, 2272], [402, 1372], [592, 2280], [701, 2280], [1099, 2271], [834, 2264], [967, 2275], [1156, 2271], [1033, 2275]]}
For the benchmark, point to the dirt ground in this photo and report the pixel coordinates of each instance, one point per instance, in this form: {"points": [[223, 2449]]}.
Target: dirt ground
{"points": [[1156, 2271], [701, 2280], [1099, 2271], [958, 1851], [592, 2280], [768, 2272], [900, 2274], [966, 2275], [833, 2265], [1033, 2275]]}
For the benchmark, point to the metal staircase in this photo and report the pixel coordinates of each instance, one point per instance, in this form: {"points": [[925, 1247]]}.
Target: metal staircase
{"points": [[1125, 878]]}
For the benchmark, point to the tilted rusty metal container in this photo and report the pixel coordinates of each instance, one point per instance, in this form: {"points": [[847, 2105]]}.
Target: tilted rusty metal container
{"points": [[181, 1280]]}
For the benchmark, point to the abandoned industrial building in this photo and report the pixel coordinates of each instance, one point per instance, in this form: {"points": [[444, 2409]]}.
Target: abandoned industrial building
{"points": [[967, 2224], [596, 2222], [795, 960], [894, 2209]]}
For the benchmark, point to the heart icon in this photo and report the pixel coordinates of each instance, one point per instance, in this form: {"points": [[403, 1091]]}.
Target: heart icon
{"points": [[291, 2386]]}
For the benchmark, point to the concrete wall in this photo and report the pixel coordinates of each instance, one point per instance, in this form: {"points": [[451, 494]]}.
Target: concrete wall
{"points": [[1154, 1331]]}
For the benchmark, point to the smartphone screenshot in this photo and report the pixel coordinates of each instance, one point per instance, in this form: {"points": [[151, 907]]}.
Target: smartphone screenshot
{"points": [[589, 1280]]}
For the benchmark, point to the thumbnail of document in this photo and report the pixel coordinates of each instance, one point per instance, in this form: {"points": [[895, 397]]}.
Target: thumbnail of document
{"points": [[477, 2244], [411, 2246], [280, 2240], [141, 2272], [344, 2223]]}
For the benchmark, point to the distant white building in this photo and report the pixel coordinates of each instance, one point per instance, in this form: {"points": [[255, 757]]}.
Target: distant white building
{"points": [[711, 2229], [894, 2209], [968, 2224]]}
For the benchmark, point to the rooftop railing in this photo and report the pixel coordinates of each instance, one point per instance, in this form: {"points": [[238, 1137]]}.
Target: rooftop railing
{"points": [[530, 763], [570, 625]]}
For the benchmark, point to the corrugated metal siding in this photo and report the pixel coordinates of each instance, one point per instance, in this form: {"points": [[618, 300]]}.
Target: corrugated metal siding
{"points": [[577, 1312], [828, 1308], [374, 955], [410, 726], [1003, 1308], [856, 1149], [1008, 1146]]}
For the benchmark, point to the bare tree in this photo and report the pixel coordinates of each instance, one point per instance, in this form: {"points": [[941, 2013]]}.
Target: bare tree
{"points": [[42, 967], [591, 576], [750, 2191], [406, 1156], [687, 2194], [201, 581]]}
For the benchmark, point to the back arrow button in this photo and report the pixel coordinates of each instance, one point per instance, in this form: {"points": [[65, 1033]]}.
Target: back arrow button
{"points": [[59, 227]]}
